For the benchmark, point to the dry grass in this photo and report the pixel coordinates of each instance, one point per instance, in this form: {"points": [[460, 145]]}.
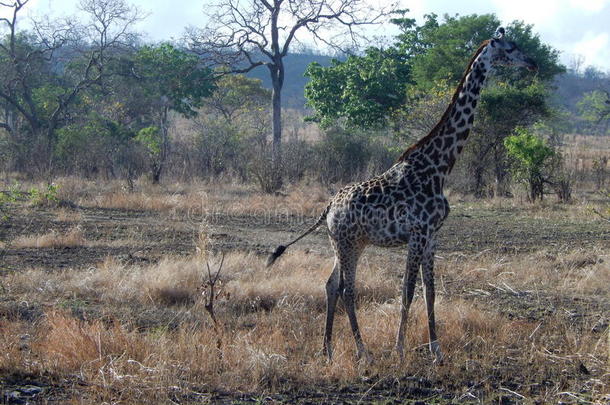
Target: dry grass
{"points": [[271, 328], [575, 272], [198, 198], [581, 150], [54, 239], [68, 215]]}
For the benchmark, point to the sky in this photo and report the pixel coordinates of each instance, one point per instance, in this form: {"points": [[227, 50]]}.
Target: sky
{"points": [[577, 28]]}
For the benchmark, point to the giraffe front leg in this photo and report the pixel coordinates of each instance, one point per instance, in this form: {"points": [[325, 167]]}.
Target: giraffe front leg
{"points": [[428, 278]]}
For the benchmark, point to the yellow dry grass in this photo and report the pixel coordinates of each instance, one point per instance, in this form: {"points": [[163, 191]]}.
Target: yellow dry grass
{"points": [[68, 215], [577, 271], [580, 151], [271, 320], [205, 199], [71, 238]]}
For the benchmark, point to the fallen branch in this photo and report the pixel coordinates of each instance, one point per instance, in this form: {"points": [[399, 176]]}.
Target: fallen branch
{"points": [[602, 216], [512, 392]]}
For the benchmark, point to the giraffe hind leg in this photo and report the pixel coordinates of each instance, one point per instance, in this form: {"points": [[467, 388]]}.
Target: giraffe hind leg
{"points": [[341, 283], [333, 289], [349, 261], [408, 289], [429, 295]]}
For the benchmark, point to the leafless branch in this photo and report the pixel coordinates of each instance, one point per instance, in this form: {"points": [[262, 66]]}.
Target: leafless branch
{"points": [[253, 32]]}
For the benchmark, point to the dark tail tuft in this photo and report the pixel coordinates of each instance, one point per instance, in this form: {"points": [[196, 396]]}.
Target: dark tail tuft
{"points": [[278, 252]]}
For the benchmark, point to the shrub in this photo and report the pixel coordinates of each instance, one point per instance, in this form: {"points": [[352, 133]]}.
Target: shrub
{"points": [[530, 154]]}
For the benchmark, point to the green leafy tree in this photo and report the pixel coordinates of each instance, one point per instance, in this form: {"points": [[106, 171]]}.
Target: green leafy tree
{"points": [[366, 91], [236, 95], [503, 108], [171, 80], [38, 88], [153, 143], [594, 107], [441, 50], [94, 146], [531, 155]]}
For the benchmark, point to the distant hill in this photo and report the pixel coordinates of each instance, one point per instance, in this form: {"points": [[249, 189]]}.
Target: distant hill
{"points": [[294, 82]]}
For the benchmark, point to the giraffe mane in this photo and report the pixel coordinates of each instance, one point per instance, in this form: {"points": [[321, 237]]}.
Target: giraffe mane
{"points": [[445, 115]]}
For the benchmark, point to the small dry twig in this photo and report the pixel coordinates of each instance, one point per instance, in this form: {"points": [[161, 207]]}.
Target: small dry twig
{"points": [[209, 289]]}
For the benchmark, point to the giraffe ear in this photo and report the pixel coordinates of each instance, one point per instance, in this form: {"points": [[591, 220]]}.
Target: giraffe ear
{"points": [[499, 33]]}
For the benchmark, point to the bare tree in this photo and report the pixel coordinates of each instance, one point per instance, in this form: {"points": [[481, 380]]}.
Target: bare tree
{"points": [[23, 54], [245, 34]]}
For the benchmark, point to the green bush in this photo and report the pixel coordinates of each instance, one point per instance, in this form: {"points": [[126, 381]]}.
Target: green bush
{"points": [[531, 155]]}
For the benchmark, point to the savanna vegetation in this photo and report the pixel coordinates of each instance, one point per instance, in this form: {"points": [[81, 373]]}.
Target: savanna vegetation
{"points": [[142, 185]]}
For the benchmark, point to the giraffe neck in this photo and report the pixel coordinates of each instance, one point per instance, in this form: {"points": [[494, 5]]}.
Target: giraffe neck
{"points": [[457, 127], [445, 142]]}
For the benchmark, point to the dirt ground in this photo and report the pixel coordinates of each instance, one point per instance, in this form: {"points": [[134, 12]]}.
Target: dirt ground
{"points": [[153, 234], [150, 235]]}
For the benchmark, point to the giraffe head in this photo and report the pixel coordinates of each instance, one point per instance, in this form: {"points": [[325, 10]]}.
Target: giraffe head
{"points": [[504, 52]]}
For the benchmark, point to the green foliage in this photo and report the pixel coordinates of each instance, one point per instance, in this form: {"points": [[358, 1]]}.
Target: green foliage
{"points": [[96, 143], [45, 197], [170, 75], [7, 197], [150, 138], [237, 94], [232, 128], [507, 104], [38, 197], [376, 88], [594, 107], [46, 98], [442, 50], [530, 151], [531, 155], [345, 155], [365, 90], [423, 109]]}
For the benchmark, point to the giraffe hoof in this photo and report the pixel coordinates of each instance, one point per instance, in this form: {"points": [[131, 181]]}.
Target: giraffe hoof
{"points": [[364, 357], [435, 349], [328, 353], [400, 352]]}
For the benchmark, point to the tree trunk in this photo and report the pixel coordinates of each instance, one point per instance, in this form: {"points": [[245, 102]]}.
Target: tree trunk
{"points": [[478, 182], [501, 172], [164, 153], [277, 80], [276, 146]]}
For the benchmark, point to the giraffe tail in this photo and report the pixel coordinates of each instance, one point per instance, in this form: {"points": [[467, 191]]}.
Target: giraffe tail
{"points": [[282, 248], [277, 253]]}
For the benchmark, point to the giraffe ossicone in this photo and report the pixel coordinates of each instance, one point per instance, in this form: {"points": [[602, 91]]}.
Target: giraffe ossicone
{"points": [[405, 205]]}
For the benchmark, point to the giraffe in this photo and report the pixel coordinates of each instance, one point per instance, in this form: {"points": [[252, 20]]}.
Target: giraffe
{"points": [[405, 205]]}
